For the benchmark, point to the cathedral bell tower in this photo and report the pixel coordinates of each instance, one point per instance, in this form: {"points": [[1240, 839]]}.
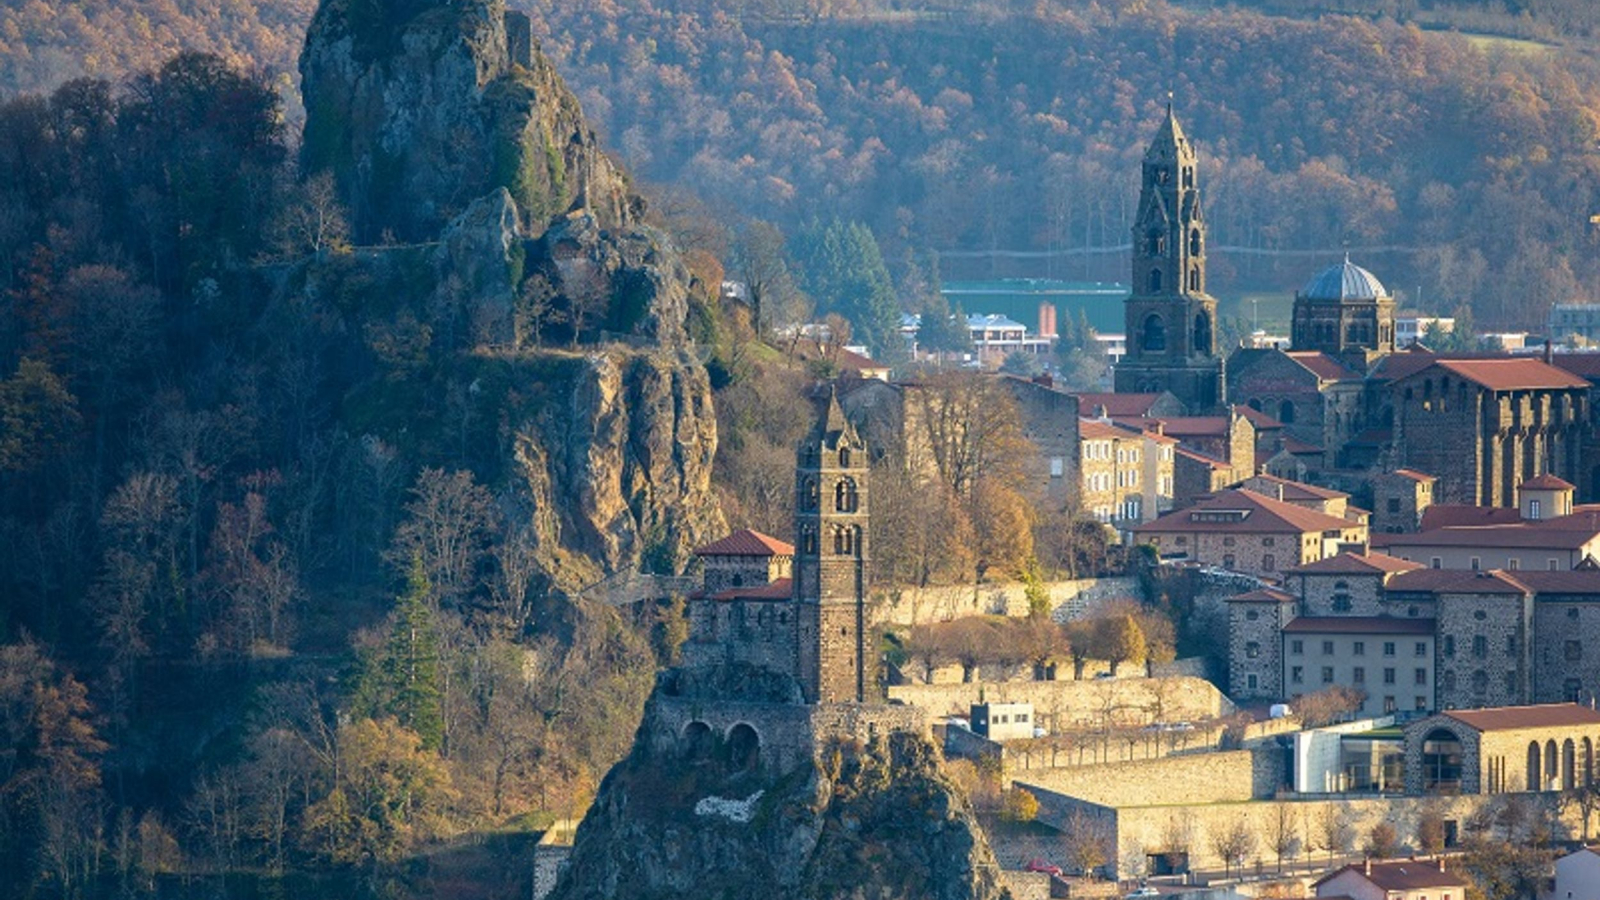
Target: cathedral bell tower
{"points": [[831, 561], [1170, 319]]}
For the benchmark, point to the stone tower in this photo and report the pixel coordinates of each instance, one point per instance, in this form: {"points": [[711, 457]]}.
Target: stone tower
{"points": [[1170, 319], [831, 561], [1345, 311]]}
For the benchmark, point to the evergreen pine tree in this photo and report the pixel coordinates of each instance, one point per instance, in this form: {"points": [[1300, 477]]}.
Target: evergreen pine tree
{"points": [[402, 678]]}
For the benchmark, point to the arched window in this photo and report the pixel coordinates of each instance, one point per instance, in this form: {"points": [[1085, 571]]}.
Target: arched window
{"points": [[1194, 278], [810, 495], [808, 539], [844, 457], [744, 747], [1202, 333], [1286, 412], [1194, 242], [1480, 683], [1155, 280], [1155, 333], [844, 496], [1255, 404], [1535, 775], [1569, 765], [845, 541], [1441, 761], [1156, 245]]}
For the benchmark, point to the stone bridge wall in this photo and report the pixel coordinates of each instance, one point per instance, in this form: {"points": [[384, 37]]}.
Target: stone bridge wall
{"points": [[790, 734]]}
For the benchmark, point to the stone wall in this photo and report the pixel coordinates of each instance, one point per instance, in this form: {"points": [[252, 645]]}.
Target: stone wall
{"points": [[1076, 599], [1565, 665], [1027, 885], [550, 856], [1255, 648], [789, 734], [1191, 778], [1483, 657], [1143, 830], [759, 632], [1060, 705]]}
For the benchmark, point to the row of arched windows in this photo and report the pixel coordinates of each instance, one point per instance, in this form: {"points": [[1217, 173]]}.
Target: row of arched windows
{"points": [[1156, 243], [845, 539], [1154, 336], [846, 496]]}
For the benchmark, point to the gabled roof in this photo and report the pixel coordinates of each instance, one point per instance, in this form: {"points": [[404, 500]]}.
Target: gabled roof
{"points": [[1451, 515], [1358, 625], [1547, 482], [1118, 405], [1244, 511], [1510, 374], [1402, 875], [1299, 490], [1202, 459], [1511, 718], [1412, 360], [809, 350], [1357, 564], [1414, 475], [746, 542], [1195, 426], [1322, 365], [1259, 419], [1584, 365], [1262, 595], [1561, 533], [1458, 581]]}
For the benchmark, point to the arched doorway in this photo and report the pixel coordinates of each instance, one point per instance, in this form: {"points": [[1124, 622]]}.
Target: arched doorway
{"points": [[744, 748], [1155, 333], [698, 742], [1441, 762]]}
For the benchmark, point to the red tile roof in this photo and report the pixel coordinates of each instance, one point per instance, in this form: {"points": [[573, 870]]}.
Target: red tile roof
{"points": [[1561, 533], [1514, 374], [1565, 581], [1256, 514], [1263, 595], [1195, 426], [1117, 405], [1405, 875], [1322, 365], [1357, 564], [1510, 718], [1451, 515], [1548, 482], [1259, 419], [809, 350], [781, 589], [746, 542], [1396, 366], [1458, 581], [1108, 430], [1414, 475], [1202, 459], [1299, 490], [1358, 625], [1585, 365]]}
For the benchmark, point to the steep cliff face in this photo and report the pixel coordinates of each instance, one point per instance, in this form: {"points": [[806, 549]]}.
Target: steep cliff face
{"points": [[538, 323], [877, 820], [419, 107]]}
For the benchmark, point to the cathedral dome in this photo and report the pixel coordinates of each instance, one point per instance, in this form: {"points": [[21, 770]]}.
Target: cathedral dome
{"points": [[1345, 281]]}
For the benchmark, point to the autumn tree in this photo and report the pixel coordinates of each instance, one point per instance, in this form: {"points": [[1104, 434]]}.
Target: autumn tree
{"points": [[448, 527], [1232, 843], [389, 795], [1333, 830], [1088, 843], [1118, 639]]}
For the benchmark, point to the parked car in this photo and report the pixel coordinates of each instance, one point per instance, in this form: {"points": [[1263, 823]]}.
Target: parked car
{"points": [[1142, 892], [1039, 865]]}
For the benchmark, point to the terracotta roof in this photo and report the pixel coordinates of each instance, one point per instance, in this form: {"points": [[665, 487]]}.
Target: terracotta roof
{"points": [[1322, 365], [1564, 581], [1118, 405], [746, 542], [1255, 513], [1396, 366], [1584, 365], [1357, 564], [1546, 534], [1358, 625], [1259, 419], [1195, 426], [1512, 374], [1262, 595], [1450, 515], [781, 589], [1458, 581], [1295, 445], [1299, 490], [1510, 718], [1414, 475], [1548, 482], [1403, 875]]}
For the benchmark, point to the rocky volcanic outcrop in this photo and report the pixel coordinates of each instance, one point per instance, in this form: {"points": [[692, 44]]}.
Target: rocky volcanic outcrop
{"points": [[521, 282], [878, 821], [419, 107]]}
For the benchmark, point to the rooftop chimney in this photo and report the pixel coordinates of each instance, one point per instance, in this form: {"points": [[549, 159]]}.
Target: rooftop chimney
{"points": [[1367, 867], [1441, 863], [1099, 410], [1549, 353]]}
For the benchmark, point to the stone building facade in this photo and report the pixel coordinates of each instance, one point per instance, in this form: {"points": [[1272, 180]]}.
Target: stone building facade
{"points": [[1170, 319], [1255, 643], [1345, 312], [1542, 748], [1390, 659], [744, 558], [1244, 531], [1125, 475], [1399, 499]]}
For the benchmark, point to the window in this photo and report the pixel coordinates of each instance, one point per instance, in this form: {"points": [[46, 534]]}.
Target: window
{"points": [[1250, 680], [1327, 648], [1360, 675], [1252, 650], [1449, 645], [1511, 644], [1389, 705], [1297, 647], [1227, 541], [1268, 542], [1227, 560], [1388, 676], [1554, 565], [1572, 612], [1572, 690], [1480, 647], [1251, 616], [1513, 564], [1435, 562], [1533, 509], [1359, 648], [1476, 564], [1480, 682], [1422, 676], [1388, 648], [1267, 563], [1057, 466], [1297, 674], [1511, 682], [1155, 330], [1422, 704], [1327, 674], [1573, 651], [1421, 649]]}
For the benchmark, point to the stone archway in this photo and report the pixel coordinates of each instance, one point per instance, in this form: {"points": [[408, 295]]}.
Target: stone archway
{"points": [[1441, 762], [698, 741], [743, 747]]}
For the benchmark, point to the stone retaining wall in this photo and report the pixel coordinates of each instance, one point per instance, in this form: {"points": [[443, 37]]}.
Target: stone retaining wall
{"points": [[1063, 705], [1077, 599], [1193, 778]]}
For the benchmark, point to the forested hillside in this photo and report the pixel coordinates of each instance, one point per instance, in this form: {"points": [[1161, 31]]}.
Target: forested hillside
{"points": [[1453, 169]]}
